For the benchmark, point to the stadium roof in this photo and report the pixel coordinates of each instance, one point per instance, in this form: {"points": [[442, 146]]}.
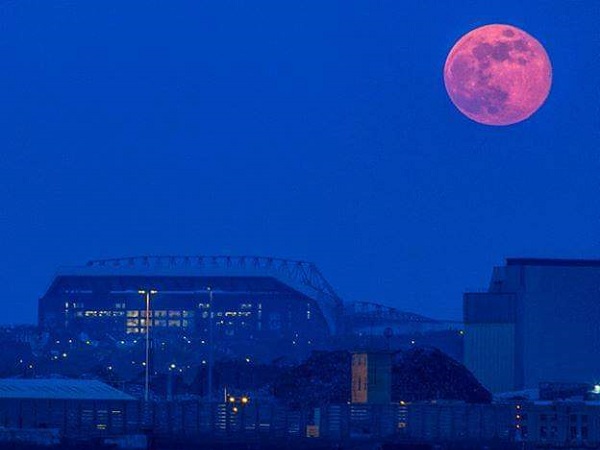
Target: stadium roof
{"points": [[370, 309], [215, 271], [59, 389]]}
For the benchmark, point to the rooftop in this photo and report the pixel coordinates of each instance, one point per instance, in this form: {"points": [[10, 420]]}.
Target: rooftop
{"points": [[59, 389], [556, 262]]}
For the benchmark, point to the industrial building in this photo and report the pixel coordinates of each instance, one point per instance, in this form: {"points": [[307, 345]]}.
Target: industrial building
{"points": [[537, 322], [228, 299], [75, 407]]}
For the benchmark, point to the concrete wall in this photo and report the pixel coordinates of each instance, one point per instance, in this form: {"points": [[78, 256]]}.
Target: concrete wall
{"points": [[537, 323]]}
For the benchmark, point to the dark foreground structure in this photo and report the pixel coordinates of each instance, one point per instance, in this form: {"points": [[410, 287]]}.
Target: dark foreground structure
{"points": [[81, 413]]}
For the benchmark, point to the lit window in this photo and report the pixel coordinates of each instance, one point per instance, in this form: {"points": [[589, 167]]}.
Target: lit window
{"points": [[132, 313], [174, 313], [133, 322]]}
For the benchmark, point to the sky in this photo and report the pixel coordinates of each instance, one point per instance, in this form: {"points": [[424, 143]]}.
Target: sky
{"points": [[314, 130]]}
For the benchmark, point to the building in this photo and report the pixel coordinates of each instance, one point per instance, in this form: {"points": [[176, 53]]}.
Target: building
{"points": [[537, 322], [372, 378], [230, 299], [75, 407], [459, 421]]}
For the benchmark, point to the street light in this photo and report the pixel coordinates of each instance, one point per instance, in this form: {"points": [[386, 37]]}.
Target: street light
{"points": [[147, 294], [211, 343]]}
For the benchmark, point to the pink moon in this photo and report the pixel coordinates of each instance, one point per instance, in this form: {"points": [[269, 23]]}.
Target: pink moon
{"points": [[498, 75]]}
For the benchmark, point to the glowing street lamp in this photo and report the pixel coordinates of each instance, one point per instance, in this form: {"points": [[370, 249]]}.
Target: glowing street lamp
{"points": [[147, 294], [211, 349]]}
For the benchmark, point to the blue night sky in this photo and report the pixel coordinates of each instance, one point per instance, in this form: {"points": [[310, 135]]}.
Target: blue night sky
{"points": [[317, 130]]}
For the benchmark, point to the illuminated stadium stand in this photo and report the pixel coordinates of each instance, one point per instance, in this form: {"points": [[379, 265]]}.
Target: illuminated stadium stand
{"points": [[253, 298]]}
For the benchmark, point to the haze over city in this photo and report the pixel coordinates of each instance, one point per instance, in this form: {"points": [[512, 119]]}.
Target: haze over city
{"points": [[318, 131]]}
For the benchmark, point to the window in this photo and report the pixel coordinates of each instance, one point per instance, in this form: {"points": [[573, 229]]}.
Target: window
{"points": [[573, 433], [133, 322], [174, 323], [133, 314], [160, 314], [275, 321], [174, 313]]}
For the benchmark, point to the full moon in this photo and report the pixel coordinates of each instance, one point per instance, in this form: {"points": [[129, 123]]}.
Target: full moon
{"points": [[498, 75]]}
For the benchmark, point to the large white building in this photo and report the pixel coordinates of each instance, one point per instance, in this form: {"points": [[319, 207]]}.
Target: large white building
{"points": [[539, 321]]}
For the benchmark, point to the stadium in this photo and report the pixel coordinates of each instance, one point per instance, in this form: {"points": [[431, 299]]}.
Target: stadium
{"points": [[250, 299]]}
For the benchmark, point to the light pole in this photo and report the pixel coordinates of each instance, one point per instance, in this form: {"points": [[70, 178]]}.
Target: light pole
{"points": [[210, 342], [147, 293]]}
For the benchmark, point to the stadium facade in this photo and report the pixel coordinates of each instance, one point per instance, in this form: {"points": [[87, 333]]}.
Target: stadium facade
{"points": [[538, 322], [249, 299]]}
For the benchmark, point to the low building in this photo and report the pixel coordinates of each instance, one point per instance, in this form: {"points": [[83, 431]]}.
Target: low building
{"points": [[75, 407], [459, 421]]}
